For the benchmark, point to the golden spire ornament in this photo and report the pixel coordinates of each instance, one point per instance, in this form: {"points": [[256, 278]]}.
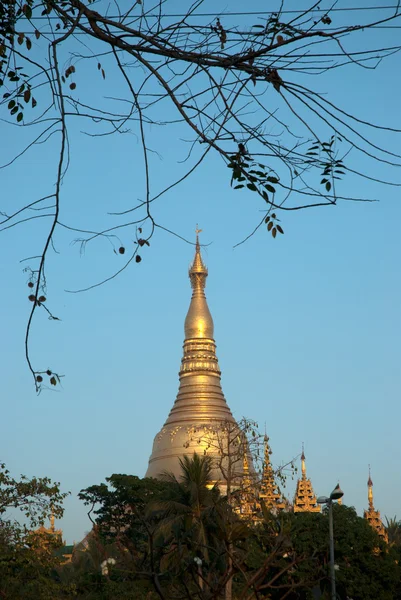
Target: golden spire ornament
{"points": [[303, 466], [200, 409], [370, 491]]}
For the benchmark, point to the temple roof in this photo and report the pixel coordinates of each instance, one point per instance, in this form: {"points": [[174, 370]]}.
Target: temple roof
{"points": [[269, 491], [305, 498], [372, 515]]}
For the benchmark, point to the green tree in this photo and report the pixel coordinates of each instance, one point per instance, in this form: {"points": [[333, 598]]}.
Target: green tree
{"points": [[117, 508], [36, 498], [181, 538], [122, 529], [155, 529], [26, 567], [393, 528], [193, 523], [367, 567], [191, 505]]}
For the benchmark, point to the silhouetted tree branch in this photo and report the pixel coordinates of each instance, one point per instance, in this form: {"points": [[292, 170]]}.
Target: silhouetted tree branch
{"points": [[240, 92]]}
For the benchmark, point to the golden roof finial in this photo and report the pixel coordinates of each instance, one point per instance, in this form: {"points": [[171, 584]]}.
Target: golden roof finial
{"points": [[198, 270], [303, 466], [370, 490], [197, 231]]}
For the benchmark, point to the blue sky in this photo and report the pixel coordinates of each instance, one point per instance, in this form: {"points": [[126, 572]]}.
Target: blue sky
{"points": [[307, 326]]}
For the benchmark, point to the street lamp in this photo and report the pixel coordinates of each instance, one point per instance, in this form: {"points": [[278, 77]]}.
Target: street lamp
{"points": [[336, 494]]}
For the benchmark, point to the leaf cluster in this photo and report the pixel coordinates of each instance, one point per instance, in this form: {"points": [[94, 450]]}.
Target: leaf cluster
{"points": [[36, 498]]}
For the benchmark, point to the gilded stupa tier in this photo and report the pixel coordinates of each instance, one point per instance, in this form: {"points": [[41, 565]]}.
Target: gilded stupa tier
{"points": [[269, 492], [305, 498], [197, 418], [372, 515]]}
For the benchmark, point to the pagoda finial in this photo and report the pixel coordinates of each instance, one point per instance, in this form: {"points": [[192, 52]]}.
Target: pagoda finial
{"points": [[197, 231], [199, 322], [303, 466], [370, 490], [52, 521], [198, 270]]}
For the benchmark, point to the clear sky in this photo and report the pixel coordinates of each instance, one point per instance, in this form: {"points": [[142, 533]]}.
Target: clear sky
{"points": [[307, 326]]}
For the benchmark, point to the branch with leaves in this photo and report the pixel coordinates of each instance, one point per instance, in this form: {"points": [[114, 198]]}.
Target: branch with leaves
{"points": [[36, 498], [244, 93]]}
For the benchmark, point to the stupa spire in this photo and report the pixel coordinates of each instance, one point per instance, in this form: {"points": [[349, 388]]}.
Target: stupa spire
{"points": [[200, 408], [305, 497], [269, 492], [370, 491], [198, 271], [303, 466], [199, 322], [372, 515]]}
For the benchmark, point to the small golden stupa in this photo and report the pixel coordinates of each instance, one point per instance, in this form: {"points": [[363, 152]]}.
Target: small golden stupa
{"points": [[200, 417], [372, 515], [248, 506], [269, 492], [47, 538], [305, 498]]}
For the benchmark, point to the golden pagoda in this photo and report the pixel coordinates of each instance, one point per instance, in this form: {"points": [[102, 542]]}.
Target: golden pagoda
{"points": [[200, 416], [305, 498], [248, 505], [269, 492], [47, 538], [372, 515]]}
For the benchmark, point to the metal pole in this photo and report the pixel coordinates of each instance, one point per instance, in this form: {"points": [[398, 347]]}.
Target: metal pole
{"points": [[200, 580], [332, 571]]}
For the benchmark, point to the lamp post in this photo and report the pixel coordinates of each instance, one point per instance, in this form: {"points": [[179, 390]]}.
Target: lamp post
{"points": [[336, 494]]}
